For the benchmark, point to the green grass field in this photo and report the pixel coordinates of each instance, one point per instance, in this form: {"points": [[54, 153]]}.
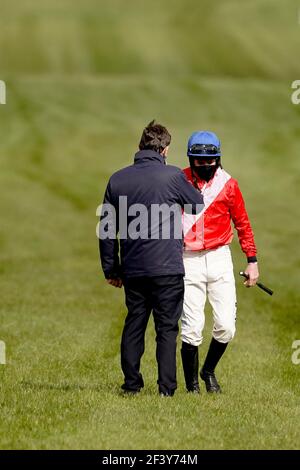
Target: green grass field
{"points": [[83, 78]]}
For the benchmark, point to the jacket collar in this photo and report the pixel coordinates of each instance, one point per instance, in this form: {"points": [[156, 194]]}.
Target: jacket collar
{"points": [[145, 156]]}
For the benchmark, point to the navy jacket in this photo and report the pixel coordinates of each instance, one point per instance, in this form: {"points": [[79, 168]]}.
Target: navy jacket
{"points": [[148, 181]]}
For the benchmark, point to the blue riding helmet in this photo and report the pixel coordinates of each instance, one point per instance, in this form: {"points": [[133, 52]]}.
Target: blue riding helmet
{"points": [[204, 144]]}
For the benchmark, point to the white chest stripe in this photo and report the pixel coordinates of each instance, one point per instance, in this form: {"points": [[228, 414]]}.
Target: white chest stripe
{"points": [[209, 195]]}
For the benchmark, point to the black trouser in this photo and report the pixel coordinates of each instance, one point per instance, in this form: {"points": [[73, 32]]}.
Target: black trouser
{"points": [[164, 296]]}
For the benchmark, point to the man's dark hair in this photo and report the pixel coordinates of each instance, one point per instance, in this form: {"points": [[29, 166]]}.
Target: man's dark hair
{"points": [[155, 137]]}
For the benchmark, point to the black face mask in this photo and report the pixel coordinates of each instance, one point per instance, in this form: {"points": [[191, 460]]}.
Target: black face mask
{"points": [[205, 172]]}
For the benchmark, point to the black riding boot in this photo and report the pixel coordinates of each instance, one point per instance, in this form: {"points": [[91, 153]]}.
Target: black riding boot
{"points": [[190, 363], [207, 374]]}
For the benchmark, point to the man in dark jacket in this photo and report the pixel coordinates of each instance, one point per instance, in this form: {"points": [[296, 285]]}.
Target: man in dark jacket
{"points": [[151, 266]]}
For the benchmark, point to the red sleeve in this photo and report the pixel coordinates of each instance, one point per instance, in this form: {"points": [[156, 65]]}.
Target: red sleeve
{"points": [[241, 221]]}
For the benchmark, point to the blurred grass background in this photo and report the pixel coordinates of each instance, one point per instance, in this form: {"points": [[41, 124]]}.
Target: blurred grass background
{"points": [[83, 78]]}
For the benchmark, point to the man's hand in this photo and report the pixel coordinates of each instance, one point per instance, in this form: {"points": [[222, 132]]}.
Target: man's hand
{"points": [[115, 282], [252, 271]]}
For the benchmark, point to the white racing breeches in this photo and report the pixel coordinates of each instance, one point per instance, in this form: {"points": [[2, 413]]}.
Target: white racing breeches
{"points": [[209, 274]]}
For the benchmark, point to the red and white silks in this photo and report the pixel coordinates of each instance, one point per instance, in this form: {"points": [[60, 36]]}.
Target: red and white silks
{"points": [[223, 203]]}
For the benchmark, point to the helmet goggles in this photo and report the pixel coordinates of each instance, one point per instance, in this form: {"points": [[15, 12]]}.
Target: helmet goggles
{"points": [[204, 150]]}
